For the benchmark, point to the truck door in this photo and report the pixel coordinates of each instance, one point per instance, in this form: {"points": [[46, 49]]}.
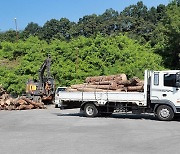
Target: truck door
{"points": [[170, 91], [163, 87]]}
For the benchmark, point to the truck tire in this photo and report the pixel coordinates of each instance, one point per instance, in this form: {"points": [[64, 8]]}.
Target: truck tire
{"points": [[90, 110], [165, 113]]}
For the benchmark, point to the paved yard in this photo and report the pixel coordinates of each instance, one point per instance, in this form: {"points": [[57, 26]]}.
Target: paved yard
{"points": [[68, 132]]}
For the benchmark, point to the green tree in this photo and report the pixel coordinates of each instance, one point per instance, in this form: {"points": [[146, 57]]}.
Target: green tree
{"points": [[87, 25], [167, 36], [32, 29], [9, 35]]}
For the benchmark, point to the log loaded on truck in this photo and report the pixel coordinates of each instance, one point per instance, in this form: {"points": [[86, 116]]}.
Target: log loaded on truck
{"points": [[161, 96]]}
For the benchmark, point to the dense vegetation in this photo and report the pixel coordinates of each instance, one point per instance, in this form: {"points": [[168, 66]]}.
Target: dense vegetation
{"points": [[128, 42]]}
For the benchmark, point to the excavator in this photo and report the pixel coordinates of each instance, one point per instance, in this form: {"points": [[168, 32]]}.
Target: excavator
{"points": [[43, 89]]}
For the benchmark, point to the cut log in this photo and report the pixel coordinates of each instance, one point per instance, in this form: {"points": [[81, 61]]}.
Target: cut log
{"points": [[22, 102], [27, 100], [108, 78], [117, 77], [141, 83], [8, 102], [94, 79], [101, 83], [125, 83], [22, 107], [11, 107], [71, 90], [29, 107], [77, 86], [2, 102], [135, 88], [110, 87], [134, 81], [38, 105], [121, 77], [88, 80], [5, 96], [120, 89]]}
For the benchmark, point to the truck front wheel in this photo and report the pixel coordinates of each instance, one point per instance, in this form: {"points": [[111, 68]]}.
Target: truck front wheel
{"points": [[164, 113], [90, 110]]}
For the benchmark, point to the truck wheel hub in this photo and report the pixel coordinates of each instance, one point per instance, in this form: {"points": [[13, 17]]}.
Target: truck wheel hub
{"points": [[89, 110], [164, 113]]}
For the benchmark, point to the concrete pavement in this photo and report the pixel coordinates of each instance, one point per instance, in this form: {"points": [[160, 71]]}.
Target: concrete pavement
{"points": [[68, 132]]}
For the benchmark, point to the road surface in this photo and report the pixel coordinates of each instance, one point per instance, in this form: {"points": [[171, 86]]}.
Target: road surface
{"points": [[53, 131]]}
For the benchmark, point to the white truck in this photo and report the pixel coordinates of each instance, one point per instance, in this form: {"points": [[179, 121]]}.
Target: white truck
{"points": [[161, 96]]}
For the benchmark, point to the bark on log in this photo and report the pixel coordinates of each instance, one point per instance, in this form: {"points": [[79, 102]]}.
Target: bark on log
{"points": [[2, 103], [71, 90], [117, 77], [5, 96], [134, 81], [110, 87], [101, 83], [27, 100], [77, 86], [38, 105], [120, 90], [29, 107], [108, 78], [141, 83], [121, 77], [22, 107], [94, 79], [21, 102], [120, 86], [125, 83], [11, 107], [135, 88], [8, 102]]}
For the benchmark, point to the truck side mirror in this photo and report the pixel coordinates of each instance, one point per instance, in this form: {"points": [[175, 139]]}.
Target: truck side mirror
{"points": [[178, 80]]}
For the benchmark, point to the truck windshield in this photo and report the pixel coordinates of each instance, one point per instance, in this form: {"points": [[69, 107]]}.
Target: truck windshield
{"points": [[60, 89]]}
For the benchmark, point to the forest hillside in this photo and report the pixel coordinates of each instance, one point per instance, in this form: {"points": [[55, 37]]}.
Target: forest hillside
{"points": [[131, 41]]}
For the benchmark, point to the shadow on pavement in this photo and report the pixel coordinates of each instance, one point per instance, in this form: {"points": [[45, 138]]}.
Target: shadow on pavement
{"points": [[133, 116], [177, 118], [118, 116], [70, 114], [114, 116]]}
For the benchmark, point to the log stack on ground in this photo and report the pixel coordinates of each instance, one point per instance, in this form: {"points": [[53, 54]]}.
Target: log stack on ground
{"points": [[20, 103], [109, 83]]}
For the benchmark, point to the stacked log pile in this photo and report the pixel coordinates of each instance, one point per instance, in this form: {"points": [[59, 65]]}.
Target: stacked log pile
{"points": [[21, 103], [109, 83]]}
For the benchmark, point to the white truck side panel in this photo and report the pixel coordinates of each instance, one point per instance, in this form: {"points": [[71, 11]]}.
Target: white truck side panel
{"points": [[103, 97]]}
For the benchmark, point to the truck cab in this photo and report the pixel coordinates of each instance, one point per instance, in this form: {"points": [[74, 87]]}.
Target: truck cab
{"points": [[59, 89], [165, 92]]}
